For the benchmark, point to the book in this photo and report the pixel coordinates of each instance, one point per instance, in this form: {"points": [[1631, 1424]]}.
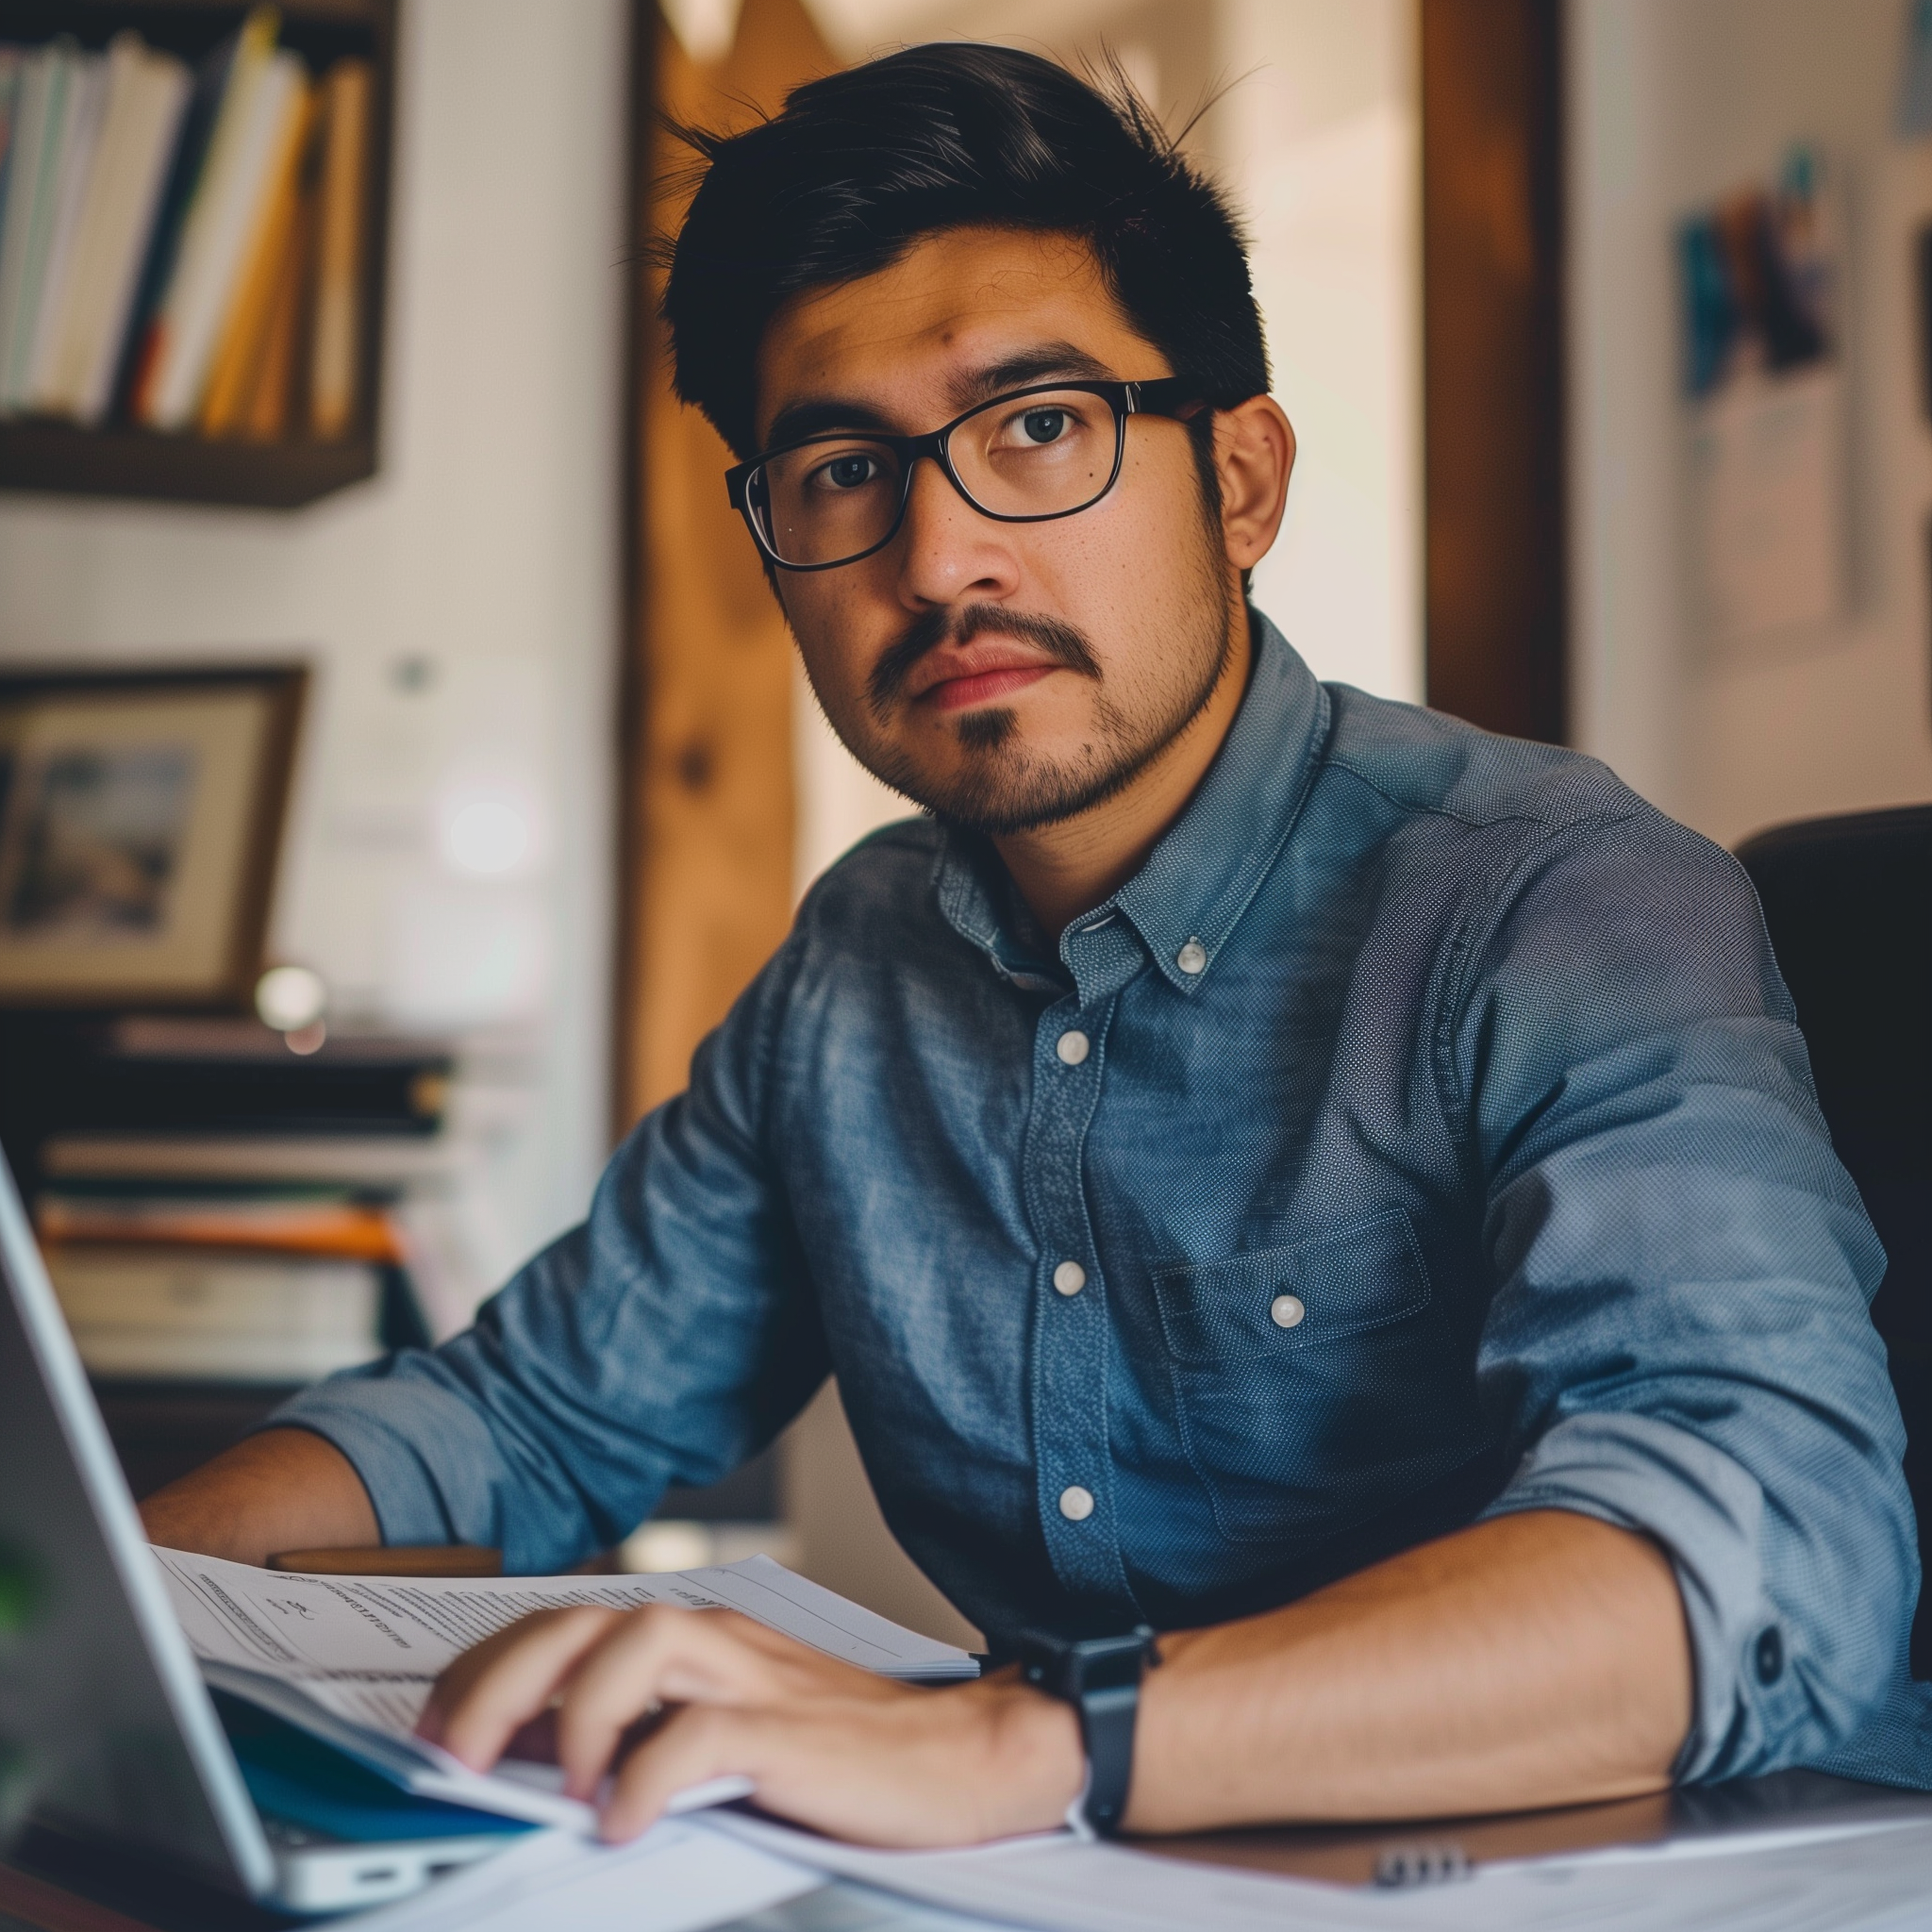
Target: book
{"points": [[147, 95], [11, 57], [140, 340], [208, 1314], [262, 89], [13, 60], [80, 135], [354, 1160], [335, 363], [232, 1077], [267, 270], [306, 1221], [34, 154], [351, 1661], [270, 407], [185, 251]]}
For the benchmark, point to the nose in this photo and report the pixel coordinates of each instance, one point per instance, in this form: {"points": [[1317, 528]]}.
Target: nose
{"points": [[947, 551]]}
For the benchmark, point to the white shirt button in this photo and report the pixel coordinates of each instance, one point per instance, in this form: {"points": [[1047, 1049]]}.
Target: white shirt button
{"points": [[1191, 956], [1077, 1505], [1073, 1046], [1286, 1310], [1070, 1277]]}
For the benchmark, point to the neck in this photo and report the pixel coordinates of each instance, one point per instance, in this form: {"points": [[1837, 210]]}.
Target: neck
{"points": [[1066, 869]]}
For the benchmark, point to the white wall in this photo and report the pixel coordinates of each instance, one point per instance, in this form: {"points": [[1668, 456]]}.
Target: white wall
{"points": [[1672, 102], [485, 553], [1318, 139]]}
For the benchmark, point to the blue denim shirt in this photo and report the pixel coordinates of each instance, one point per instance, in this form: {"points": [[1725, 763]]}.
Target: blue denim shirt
{"points": [[1422, 1133]]}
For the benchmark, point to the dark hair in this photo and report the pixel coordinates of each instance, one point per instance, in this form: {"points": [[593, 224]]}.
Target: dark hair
{"points": [[863, 163]]}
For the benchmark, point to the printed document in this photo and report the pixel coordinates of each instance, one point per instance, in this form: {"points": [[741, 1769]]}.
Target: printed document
{"points": [[351, 1659], [672, 1879], [1859, 1879]]}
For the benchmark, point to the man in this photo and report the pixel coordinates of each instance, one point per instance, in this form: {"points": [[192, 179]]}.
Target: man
{"points": [[1285, 1168]]}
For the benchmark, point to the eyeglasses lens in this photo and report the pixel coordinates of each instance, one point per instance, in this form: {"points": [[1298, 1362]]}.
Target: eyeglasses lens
{"points": [[1044, 454], [829, 500]]}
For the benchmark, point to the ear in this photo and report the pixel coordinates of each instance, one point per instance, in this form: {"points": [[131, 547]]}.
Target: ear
{"points": [[1254, 456]]}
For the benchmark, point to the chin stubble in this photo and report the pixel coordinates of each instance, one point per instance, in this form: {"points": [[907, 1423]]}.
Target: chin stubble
{"points": [[1003, 787]]}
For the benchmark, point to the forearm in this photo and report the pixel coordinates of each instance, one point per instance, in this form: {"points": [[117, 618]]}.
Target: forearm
{"points": [[282, 1490], [1537, 1660]]}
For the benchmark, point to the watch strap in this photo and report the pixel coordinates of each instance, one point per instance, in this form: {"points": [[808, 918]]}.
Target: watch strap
{"points": [[1101, 1679], [1107, 1724]]}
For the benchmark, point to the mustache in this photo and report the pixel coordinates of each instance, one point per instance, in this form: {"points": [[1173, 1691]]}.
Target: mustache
{"points": [[1065, 645]]}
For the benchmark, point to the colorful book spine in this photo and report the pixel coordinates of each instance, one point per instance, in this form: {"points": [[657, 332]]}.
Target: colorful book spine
{"points": [[348, 1230], [80, 140], [263, 90], [13, 70], [146, 95], [32, 182], [164, 238], [270, 407], [186, 251], [266, 270], [335, 368]]}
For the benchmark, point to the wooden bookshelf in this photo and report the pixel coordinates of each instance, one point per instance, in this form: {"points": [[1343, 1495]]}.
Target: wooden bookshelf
{"points": [[116, 459]]}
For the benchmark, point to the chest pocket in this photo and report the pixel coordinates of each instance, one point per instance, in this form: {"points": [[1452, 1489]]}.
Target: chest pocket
{"points": [[1307, 1389]]}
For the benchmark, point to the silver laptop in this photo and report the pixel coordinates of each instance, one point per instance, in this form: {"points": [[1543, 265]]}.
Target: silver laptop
{"points": [[107, 1730]]}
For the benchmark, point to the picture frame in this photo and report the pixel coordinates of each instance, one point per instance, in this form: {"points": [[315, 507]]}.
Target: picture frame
{"points": [[142, 812]]}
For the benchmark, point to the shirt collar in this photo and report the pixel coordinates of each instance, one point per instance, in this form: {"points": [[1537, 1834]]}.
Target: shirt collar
{"points": [[1199, 879], [1210, 862]]}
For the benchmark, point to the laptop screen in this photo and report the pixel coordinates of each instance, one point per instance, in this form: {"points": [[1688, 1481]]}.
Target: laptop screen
{"points": [[105, 1725]]}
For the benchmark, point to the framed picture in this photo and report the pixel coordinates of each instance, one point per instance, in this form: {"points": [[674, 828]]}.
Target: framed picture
{"points": [[141, 816]]}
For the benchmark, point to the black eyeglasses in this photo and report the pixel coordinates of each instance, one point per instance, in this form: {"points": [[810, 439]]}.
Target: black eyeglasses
{"points": [[1025, 458]]}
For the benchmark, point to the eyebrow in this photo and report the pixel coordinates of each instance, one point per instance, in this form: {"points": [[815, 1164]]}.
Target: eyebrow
{"points": [[811, 416], [1049, 362]]}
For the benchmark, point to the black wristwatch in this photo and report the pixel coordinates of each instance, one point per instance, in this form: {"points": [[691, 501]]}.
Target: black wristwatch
{"points": [[1099, 1676]]}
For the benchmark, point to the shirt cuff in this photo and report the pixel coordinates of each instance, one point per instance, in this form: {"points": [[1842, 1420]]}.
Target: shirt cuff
{"points": [[381, 1426], [1707, 1512]]}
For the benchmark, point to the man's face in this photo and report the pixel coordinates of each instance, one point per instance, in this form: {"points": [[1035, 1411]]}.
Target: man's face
{"points": [[1005, 674]]}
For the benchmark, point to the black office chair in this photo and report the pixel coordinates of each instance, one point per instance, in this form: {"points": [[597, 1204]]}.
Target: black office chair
{"points": [[1848, 901]]}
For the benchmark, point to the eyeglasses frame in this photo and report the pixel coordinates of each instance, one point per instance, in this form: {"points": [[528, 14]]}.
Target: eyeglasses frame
{"points": [[1171, 396]]}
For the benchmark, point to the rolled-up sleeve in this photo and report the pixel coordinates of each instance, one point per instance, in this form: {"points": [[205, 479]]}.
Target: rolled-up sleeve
{"points": [[1679, 1342], [665, 1340]]}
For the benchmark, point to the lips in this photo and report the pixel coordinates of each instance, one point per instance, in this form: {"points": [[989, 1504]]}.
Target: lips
{"points": [[954, 677]]}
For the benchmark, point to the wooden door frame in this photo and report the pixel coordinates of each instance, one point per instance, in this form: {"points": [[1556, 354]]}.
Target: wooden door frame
{"points": [[706, 810], [1492, 363]]}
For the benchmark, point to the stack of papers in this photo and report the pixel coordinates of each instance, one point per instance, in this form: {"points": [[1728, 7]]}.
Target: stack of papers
{"points": [[351, 1659], [673, 1879], [1861, 1878], [714, 1869]]}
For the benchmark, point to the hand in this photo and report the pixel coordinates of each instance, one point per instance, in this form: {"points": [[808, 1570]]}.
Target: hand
{"points": [[824, 1744]]}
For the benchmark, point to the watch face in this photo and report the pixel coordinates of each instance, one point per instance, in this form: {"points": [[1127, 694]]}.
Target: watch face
{"points": [[1110, 1663]]}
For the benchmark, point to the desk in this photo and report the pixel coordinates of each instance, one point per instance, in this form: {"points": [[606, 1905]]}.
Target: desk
{"points": [[50, 1885]]}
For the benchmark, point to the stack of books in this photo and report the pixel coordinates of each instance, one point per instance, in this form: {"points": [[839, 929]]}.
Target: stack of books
{"points": [[211, 1288], [181, 250], [215, 1208]]}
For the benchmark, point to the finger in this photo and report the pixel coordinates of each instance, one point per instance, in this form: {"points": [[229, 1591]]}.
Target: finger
{"points": [[492, 1690], [660, 1655], [691, 1745], [721, 1656], [459, 1677]]}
